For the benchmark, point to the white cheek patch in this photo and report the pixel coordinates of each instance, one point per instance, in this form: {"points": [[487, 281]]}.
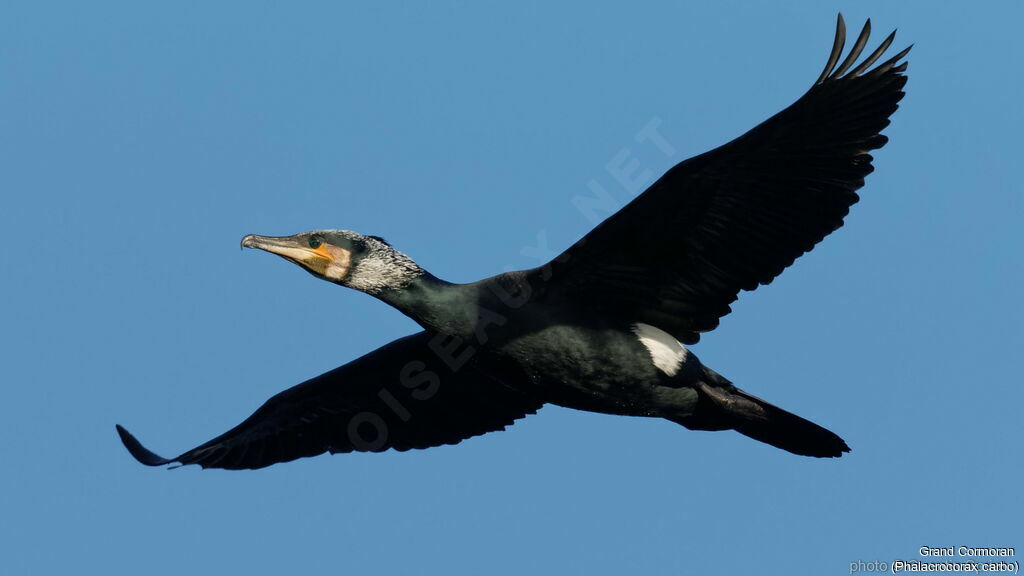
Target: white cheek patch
{"points": [[667, 353], [341, 260]]}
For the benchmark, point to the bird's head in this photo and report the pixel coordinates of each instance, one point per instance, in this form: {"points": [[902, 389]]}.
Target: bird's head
{"points": [[364, 263]]}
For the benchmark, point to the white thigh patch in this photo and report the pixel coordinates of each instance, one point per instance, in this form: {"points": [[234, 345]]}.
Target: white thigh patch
{"points": [[667, 353]]}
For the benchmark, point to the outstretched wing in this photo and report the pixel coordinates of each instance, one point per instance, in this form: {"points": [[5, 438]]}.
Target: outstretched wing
{"points": [[737, 216], [402, 396]]}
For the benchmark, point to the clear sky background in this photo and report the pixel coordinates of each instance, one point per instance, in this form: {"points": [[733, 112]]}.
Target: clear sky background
{"points": [[140, 141]]}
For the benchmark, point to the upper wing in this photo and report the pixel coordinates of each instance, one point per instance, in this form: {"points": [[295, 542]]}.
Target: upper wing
{"points": [[402, 396], [735, 217]]}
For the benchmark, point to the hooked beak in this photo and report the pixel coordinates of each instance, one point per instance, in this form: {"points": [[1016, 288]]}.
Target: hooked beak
{"points": [[324, 260], [289, 247]]}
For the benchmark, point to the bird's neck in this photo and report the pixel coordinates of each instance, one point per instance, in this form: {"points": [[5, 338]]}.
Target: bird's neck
{"points": [[434, 304]]}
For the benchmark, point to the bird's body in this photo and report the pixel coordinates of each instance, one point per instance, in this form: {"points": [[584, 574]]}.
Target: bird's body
{"points": [[608, 370], [573, 358], [604, 326]]}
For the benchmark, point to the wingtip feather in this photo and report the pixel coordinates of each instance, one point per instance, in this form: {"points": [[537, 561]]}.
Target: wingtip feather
{"points": [[835, 70], [858, 47], [138, 451], [891, 63], [837, 49], [874, 55]]}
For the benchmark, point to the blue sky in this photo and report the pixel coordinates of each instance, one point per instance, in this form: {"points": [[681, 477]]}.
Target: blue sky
{"points": [[141, 141]]}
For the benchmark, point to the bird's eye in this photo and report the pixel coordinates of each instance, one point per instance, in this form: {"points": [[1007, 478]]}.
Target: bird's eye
{"points": [[314, 242]]}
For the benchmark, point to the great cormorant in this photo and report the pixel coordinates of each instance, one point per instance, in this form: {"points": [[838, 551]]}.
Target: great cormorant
{"points": [[603, 326]]}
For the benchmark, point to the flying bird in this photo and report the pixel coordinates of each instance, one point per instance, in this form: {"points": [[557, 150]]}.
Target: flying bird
{"points": [[603, 327]]}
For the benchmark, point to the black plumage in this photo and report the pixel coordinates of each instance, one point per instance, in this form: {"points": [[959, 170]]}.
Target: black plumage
{"points": [[602, 327], [734, 218], [401, 396]]}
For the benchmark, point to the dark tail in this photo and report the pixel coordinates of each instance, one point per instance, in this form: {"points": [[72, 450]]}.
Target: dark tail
{"points": [[722, 406]]}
